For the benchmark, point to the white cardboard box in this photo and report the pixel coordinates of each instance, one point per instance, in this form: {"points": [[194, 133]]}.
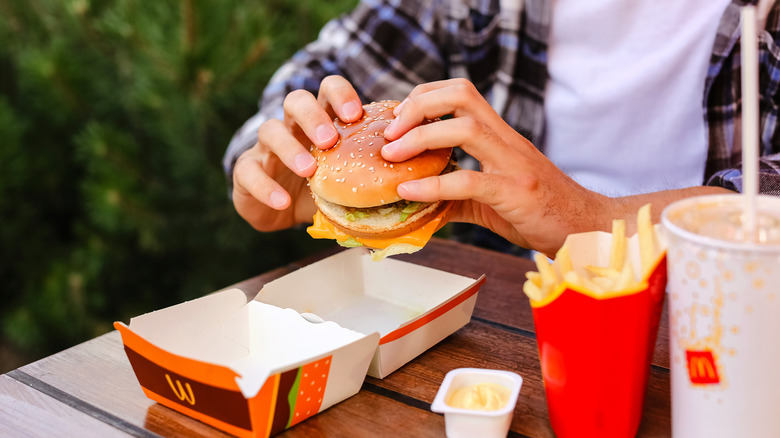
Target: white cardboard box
{"points": [[412, 307]]}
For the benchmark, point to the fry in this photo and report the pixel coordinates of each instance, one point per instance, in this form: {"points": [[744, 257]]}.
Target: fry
{"points": [[605, 283], [546, 271], [592, 286], [646, 244], [532, 291], [572, 278], [563, 261], [626, 278], [602, 272], [618, 251], [534, 277]]}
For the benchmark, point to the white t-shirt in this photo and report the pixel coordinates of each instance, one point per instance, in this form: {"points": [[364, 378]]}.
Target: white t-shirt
{"points": [[623, 105]]}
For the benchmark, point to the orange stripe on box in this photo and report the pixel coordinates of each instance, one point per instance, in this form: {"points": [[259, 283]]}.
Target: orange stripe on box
{"points": [[214, 375], [229, 428], [261, 406], [274, 395], [446, 307]]}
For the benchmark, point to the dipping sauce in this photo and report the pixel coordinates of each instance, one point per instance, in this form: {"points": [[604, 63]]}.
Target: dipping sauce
{"points": [[482, 396]]}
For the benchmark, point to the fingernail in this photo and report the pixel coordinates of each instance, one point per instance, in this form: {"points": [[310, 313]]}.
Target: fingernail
{"points": [[324, 133], [391, 147], [277, 199], [351, 110], [391, 127], [408, 188], [397, 109], [303, 162]]}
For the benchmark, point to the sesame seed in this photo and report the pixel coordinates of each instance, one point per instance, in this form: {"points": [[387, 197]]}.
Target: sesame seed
{"points": [[385, 164], [354, 189], [410, 169], [361, 184], [338, 169], [371, 169], [325, 177], [350, 170], [380, 181], [391, 166], [371, 154], [345, 163], [360, 149], [338, 156], [352, 155], [371, 143]]}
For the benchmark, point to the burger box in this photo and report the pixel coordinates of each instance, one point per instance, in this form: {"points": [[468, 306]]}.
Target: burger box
{"points": [[412, 307], [305, 343]]}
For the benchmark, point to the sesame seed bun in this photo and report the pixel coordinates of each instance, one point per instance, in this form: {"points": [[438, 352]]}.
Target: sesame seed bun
{"points": [[353, 172], [352, 176]]}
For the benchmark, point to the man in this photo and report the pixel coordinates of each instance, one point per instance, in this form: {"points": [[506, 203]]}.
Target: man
{"points": [[625, 102]]}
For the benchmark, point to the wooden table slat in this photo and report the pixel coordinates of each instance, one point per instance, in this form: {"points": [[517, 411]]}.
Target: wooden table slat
{"points": [[24, 409]]}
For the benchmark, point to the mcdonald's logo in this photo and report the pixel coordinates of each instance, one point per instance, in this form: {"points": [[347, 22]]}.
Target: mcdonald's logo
{"points": [[183, 395], [701, 367]]}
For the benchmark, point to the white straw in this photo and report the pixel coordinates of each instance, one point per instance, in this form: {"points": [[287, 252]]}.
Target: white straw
{"points": [[750, 145]]}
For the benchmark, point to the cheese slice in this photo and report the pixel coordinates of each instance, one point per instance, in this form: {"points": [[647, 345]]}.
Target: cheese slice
{"points": [[324, 229]]}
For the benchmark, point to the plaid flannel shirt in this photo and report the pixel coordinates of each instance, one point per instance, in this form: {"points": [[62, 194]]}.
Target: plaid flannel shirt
{"points": [[385, 48]]}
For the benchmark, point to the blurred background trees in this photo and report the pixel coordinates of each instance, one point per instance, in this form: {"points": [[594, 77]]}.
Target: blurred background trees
{"points": [[114, 115]]}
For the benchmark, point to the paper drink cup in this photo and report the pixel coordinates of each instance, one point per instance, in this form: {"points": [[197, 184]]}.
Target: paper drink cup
{"points": [[595, 351], [724, 317]]}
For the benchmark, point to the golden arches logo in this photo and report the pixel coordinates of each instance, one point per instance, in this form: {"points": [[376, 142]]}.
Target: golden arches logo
{"points": [[701, 367], [182, 395]]}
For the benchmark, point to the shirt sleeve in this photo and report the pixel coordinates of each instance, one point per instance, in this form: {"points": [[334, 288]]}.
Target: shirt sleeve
{"points": [[768, 176], [730, 176], [383, 48]]}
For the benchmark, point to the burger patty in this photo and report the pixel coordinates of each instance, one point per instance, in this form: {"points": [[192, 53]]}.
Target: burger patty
{"points": [[384, 221]]}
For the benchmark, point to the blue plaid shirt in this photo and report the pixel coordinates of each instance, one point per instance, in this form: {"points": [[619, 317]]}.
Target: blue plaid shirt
{"points": [[385, 48]]}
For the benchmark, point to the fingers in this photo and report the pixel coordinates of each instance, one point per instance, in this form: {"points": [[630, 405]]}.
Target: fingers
{"points": [[274, 136], [457, 132], [301, 110], [458, 185], [314, 116], [251, 183], [337, 94], [429, 101]]}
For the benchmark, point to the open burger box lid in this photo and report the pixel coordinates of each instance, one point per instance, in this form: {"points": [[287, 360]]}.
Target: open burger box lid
{"points": [[256, 368]]}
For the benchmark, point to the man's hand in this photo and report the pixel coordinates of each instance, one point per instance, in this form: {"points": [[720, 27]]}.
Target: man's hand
{"points": [[518, 193], [269, 185]]}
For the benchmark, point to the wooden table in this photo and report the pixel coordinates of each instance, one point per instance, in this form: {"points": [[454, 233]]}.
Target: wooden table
{"points": [[90, 389]]}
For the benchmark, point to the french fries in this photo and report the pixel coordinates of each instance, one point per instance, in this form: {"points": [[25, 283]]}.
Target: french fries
{"points": [[617, 276]]}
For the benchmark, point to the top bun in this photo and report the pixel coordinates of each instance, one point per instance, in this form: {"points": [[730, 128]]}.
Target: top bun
{"points": [[353, 173]]}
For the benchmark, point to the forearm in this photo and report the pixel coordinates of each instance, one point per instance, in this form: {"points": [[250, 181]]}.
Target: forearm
{"points": [[627, 207]]}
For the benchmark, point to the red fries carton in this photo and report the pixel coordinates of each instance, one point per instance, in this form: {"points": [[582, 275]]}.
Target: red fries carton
{"points": [[595, 346]]}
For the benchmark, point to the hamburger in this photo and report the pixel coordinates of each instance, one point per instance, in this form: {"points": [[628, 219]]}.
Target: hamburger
{"points": [[355, 189]]}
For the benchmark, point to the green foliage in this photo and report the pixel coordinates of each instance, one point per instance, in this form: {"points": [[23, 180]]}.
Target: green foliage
{"points": [[114, 115]]}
